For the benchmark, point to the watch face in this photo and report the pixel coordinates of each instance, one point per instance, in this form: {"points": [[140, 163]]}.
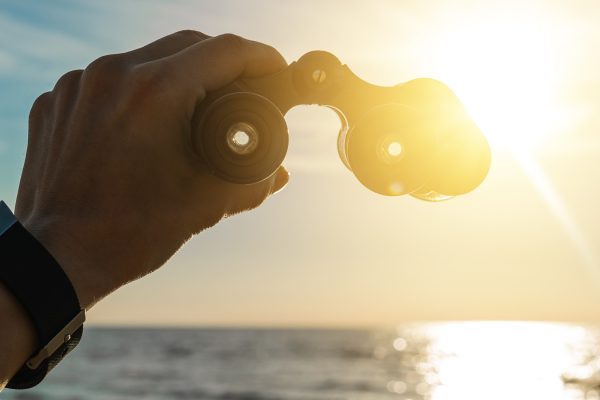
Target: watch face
{"points": [[7, 219]]}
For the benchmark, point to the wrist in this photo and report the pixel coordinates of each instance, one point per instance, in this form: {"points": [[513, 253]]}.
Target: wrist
{"points": [[87, 278]]}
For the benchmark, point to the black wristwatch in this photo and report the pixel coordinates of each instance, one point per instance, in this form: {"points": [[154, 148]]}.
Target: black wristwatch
{"points": [[38, 282]]}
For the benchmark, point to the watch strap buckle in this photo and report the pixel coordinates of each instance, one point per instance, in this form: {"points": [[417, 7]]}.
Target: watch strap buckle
{"points": [[61, 338]]}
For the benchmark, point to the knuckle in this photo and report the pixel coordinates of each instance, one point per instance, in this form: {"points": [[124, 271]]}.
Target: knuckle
{"points": [[190, 34], [39, 115], [105, 73], [106, 65], [42, 101], [68, 79], [41, 104], [232, 41]]}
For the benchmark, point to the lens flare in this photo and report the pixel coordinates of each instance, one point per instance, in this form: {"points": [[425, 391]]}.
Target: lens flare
{"points": [[394, 149]]}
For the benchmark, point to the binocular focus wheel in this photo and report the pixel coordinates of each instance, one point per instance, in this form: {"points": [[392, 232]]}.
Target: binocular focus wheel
{"points": [[242, 137]]}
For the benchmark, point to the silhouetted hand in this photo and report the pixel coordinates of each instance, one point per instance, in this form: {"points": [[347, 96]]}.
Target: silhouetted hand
{"points": [[111, 184]]}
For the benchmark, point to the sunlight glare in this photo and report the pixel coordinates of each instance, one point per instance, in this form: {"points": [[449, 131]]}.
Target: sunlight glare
{"points": [[508, 75], [501, 360], [549, 194]]}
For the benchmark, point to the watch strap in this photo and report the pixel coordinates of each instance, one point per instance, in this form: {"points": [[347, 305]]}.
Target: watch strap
{"points": [[38, 282]]}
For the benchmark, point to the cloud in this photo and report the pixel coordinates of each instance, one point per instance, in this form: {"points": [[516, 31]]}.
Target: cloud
{"points": [[7, 62], [32, 52]]}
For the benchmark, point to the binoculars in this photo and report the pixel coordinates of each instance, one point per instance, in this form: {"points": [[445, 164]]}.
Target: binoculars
{"points": [[414, 138]]}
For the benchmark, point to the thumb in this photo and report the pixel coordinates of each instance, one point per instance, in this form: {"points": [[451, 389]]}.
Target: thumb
{"points": [[248, 197], [282, 176]]}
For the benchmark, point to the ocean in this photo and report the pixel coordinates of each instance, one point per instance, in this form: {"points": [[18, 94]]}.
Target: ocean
{"points": [[432, 361]]}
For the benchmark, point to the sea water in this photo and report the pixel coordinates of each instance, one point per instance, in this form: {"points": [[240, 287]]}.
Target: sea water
{"points": [[433, 361]]}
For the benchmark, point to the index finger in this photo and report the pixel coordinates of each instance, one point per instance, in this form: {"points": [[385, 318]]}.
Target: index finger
{"points": [[216, 62]]}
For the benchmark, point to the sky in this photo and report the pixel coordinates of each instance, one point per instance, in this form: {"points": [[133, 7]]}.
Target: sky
{"points": [[326, 251]]}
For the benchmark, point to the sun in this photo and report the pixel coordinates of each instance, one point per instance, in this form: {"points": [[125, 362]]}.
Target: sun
{"points": [[508, 74]]}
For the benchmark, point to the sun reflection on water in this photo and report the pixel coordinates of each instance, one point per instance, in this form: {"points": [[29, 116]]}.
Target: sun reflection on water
{"points": [[498, 360]]}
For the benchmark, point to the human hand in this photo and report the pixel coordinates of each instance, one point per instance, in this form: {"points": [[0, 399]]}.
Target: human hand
{"points": [[111, 184]]}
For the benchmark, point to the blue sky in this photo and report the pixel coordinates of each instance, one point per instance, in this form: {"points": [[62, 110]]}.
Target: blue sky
{"points": [[325, 251], [37, 45]]}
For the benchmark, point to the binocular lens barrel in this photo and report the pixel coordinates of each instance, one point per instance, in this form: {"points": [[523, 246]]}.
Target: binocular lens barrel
{"points": [[396, 150]]}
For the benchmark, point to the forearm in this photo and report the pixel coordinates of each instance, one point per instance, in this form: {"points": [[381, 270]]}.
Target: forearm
{"points": [[17, 336]]}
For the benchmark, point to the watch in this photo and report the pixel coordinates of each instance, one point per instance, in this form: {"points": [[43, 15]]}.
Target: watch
{"points": [[38, 282]]}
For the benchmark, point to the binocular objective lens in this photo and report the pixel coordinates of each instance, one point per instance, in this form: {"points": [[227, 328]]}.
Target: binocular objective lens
{"points": [[242, 138]]}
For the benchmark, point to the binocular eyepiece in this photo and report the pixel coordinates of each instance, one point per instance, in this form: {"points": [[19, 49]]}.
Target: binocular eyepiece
{"points": [[415, 138]]}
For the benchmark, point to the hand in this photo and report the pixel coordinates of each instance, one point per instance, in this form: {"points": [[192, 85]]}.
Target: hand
{"points": [[111, 184]]}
